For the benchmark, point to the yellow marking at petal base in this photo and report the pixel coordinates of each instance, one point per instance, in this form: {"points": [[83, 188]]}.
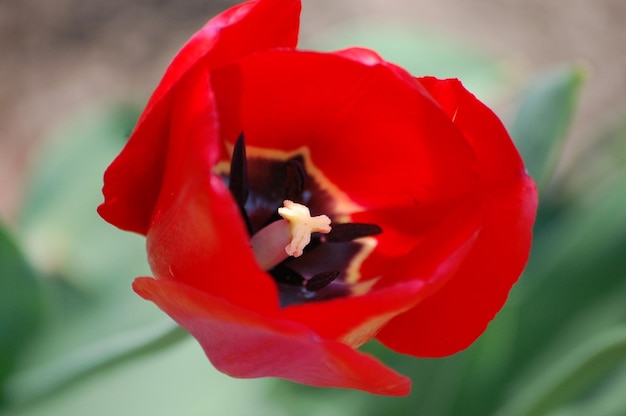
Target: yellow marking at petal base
{"points": [[301, 226], [353, 274], [221, 168]]}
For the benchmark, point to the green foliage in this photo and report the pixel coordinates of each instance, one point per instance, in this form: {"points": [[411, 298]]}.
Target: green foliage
{"points": [[545, 114], [86, 266], [569, 375], [174, 381], [20, 305]]}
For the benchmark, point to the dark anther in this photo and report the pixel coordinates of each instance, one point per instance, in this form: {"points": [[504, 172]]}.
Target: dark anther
{"points": [[320, 280], [283, 274], [238, 184], [295, 179], [349, 231], [238, 181]]}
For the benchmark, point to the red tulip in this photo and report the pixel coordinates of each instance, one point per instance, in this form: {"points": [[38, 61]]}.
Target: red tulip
{"points": [[429, 204]]}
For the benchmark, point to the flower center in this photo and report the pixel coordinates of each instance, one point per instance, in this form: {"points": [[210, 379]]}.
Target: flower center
{"points": [[308, 258], [296, 227], [302, 225]]}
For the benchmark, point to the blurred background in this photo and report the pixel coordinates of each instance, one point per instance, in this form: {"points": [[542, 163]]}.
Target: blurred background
{"points": [[75, 340]]}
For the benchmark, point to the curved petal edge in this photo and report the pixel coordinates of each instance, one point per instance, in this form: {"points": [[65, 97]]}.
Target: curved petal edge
{"points": [[243, 344]]}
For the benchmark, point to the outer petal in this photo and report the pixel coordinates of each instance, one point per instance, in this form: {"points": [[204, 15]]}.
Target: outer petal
{"points": [[458, 313], [497, 157], [244, 344], [452, 318], [133, 181], [197, 235]]}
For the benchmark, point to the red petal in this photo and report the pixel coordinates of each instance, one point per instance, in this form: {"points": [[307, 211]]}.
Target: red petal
{"points": [[366, 126], [133, 181], [197, 235], [355, 320], [239, 31], [247, 345], [497, 156], [458, 313]]}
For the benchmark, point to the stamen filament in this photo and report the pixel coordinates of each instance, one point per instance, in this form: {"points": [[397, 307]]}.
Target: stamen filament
{"points": [[269, 243]]}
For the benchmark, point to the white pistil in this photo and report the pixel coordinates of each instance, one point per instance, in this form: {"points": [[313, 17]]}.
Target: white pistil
{"points": [[287, 237], [301, 226]]}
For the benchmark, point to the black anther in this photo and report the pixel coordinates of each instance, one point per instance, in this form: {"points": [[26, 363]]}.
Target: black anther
{"points": [[286, 275], [349, 231], [238, 180], [320, 280]]}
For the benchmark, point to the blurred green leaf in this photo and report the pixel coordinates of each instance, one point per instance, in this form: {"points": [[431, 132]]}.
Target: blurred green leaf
{"points": [[569, 375], [42, 382], [591, 319], [421, 53], [174, 381], [87, 264], [606, 400], [59, 226], [601, 159], [577, 259], [20, 305], [544, 117], [572, 288]]}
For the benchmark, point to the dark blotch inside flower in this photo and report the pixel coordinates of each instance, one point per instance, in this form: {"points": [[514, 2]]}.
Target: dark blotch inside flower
{"points": [[260, 186], [295, 180]]}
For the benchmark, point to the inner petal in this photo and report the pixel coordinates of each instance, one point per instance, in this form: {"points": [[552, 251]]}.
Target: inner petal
{"points": [[369, 131]]}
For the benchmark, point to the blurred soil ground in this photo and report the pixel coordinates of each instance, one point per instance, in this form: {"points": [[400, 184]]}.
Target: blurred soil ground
{"points": [[59, 57]]}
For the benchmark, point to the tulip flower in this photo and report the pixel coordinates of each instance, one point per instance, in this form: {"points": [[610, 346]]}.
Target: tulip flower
{"points": [[298, 204]]}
